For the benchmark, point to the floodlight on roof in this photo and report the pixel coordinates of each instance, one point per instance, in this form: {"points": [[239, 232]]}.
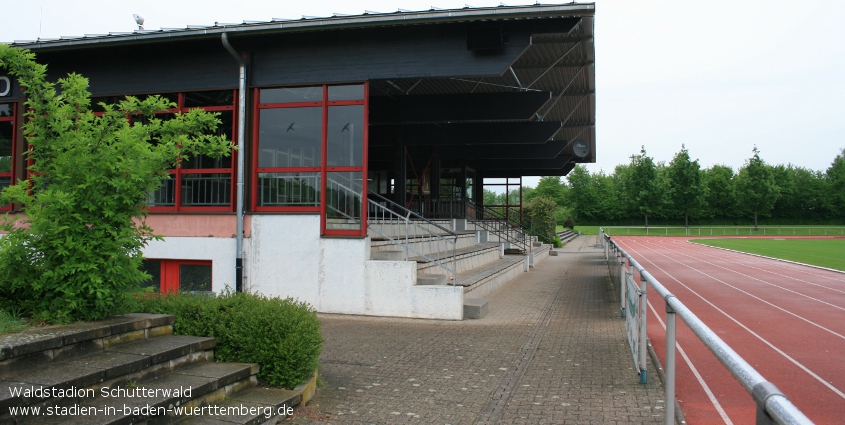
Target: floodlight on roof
{"points": [[139, 20]]}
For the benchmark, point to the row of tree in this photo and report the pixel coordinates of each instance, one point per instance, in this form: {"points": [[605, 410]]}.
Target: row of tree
{"points": [[682, 191]]}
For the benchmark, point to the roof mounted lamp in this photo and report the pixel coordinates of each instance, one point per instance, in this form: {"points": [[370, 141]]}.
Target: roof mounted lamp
{"points": [[139, 20]]}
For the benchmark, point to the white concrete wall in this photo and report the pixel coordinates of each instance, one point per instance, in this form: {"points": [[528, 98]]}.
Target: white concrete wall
{"points": [[286, 257], [220, 251]]}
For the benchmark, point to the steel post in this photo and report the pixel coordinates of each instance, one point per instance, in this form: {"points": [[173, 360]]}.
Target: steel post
{"points": [[669, 370]]}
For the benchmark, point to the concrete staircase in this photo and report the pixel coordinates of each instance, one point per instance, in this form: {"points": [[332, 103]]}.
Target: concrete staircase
{"points": [[481, 263], [125, 370]]}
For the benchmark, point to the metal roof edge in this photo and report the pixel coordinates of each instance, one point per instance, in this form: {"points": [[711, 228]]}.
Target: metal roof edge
{"points": [[321, 24]]}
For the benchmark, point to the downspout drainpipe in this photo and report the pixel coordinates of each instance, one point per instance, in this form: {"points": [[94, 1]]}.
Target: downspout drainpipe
{"points": [[239, 250]]}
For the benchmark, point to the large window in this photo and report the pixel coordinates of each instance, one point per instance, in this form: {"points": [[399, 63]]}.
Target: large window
{"points": [[310, 145], [7, 146], [198, 183]]}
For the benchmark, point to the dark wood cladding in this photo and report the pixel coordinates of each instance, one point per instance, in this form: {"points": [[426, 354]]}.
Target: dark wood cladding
{"points": [[457, 107], [148, 68], [380, 53]]}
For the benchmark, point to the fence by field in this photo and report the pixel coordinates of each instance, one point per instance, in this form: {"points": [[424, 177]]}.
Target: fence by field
{"points": [[725, 231]]}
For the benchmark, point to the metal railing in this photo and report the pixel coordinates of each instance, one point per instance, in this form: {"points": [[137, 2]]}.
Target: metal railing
{"points": [[726, 231], [772, 405], [414, 233], [206, 189], [341, 199], [289, 189], [498, 225]]}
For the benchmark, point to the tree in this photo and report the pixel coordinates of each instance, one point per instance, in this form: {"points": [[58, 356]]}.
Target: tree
{"points": [[836, 180], [686, 190], [582, 193], [549, 187], [77, 251], [756, 191], [719, 191], [541, 214], [644, 186]]}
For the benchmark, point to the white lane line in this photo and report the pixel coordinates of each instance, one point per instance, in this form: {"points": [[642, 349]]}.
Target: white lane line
{"points": [[698, 376], [756, 335], [785, 264], [678, 251], [706, 251]]}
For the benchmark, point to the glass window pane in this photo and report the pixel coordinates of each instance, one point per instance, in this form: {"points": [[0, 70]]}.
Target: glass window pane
{"points": [[292, 95], [6, 142], [209, 98], [202, 161], [194, 278], [165, 195], [344, 200], [290, 137], [355, 92], [289, 189], [206, 189], [152, 268], [345, 136], [6, 109]]}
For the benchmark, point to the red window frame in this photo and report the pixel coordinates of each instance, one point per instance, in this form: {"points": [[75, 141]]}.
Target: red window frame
{"points": [[11, 173], [169, 277], [324, 104], [176, 174]]}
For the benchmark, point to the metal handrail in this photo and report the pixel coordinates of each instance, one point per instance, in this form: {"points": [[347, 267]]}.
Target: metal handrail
{"points": [[385, 214], [497, 225], [772, 405]]}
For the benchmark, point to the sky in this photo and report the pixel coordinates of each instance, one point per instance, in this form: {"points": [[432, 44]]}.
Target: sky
{"points": [[719, 77]]}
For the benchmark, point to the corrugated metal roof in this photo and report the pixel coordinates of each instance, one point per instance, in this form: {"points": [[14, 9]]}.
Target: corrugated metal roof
{"points": [[309, 23]]}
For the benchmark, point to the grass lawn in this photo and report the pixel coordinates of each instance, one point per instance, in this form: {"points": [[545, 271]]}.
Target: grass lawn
{"points": [[9, 324], [828, 253]]}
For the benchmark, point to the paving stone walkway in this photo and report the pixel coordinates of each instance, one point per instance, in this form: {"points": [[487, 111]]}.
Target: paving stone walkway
{"points": [[551, 350]]}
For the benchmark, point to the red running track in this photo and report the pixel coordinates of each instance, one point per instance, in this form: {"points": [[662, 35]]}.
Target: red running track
{"points": [[786, 320]]}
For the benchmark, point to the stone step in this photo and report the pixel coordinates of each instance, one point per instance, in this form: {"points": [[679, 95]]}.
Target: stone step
{"points": [[251, 406], [59, 342], [164, 399], [114, 365]]}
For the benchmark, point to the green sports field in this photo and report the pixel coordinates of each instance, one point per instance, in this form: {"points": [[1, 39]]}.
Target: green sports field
{"points": [[828, 253]]}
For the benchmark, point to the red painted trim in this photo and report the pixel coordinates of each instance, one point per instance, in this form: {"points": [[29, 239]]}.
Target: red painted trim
{"points": [[11, 173], [365, 157], [289, 105], [254, 174], [324, 137]]}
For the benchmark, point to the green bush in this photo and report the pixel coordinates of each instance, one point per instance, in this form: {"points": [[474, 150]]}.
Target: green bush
{"points": [[569, 223], [281, 335]]}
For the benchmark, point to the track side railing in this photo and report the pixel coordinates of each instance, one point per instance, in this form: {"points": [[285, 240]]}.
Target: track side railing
{"points": [[409, 230], [772, 406]]}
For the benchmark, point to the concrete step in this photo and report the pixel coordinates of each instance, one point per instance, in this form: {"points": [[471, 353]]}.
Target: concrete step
{"points": [[483, 281], [465, 259], [424, 244], [377, 228]]}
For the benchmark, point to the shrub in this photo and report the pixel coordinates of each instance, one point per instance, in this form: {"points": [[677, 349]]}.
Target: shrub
{"points": [[569, 223], [76, 251], [281, 335], [541, 211]]}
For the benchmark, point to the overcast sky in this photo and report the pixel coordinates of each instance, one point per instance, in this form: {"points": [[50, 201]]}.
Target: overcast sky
{"points": [[718, 76]]}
